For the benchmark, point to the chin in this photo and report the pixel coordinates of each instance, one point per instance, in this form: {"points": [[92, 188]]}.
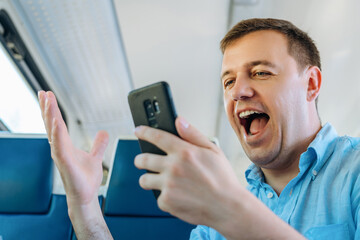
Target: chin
{"points": [[263, 157]]}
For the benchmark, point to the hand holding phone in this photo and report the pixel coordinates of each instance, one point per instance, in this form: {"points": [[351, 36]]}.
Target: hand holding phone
{"points": [[152, 105]]}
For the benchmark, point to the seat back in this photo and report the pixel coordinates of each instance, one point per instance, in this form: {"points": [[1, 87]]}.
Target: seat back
{"points": [[26, 175], [28, 209], [124, 192], [132, 212]]}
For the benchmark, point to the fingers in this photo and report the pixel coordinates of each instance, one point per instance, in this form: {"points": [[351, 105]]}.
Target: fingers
{"points": [[41, 98], [152, 162], [61, 144], [191, 134], [49, 110], [151, 181], [168, 142], [100, 143], [162, 139], [59, 139]]}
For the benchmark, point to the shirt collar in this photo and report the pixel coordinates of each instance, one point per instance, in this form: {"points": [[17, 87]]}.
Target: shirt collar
{"points": [[323, 146], [254, 175], [319, 151]]}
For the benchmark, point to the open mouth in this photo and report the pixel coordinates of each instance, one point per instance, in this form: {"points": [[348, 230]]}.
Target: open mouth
{"points": [[253, 121]]}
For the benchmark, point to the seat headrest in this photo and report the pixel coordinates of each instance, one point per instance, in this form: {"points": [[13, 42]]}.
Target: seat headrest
{"points": [[26, 174], [124, 195]]}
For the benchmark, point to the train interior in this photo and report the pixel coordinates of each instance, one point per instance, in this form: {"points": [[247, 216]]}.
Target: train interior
{"points": [[92, 53]]}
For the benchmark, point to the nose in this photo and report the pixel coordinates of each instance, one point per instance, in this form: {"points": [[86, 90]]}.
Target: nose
{"points": [[242, 88]]}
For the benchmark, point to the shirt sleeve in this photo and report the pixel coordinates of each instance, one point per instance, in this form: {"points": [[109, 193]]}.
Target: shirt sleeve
{"points": [[357, 230], [200, 233], [356, 206], [205, 233]]}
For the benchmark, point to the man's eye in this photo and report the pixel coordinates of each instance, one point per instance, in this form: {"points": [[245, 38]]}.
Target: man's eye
{"points": [[228, 83], [261, 74]]}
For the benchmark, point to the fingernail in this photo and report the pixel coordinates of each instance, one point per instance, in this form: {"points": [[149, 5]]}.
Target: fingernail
{"points": [[40, 93], [136, 161], [137, 129], [183, 122]]}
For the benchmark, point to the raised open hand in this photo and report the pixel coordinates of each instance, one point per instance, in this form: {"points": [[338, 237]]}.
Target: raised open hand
{"points": [[80, 171]]}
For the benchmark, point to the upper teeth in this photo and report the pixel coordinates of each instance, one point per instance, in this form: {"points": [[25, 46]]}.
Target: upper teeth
{"points": [[247, 113]]}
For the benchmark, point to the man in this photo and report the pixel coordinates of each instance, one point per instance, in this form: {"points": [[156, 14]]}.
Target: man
{"points": [[304, 175]]}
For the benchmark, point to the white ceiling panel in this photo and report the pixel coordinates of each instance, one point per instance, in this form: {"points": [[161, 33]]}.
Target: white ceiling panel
{"points": [[81, 43]]}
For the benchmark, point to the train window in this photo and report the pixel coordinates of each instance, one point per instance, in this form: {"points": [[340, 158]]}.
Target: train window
{"points": [[20, 79], [19, 108]]}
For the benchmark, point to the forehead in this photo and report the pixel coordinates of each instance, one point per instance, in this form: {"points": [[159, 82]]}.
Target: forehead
{"points": [[266, 45]]}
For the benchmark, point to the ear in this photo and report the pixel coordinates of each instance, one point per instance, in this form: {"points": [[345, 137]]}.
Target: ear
{"points": [[314, 83]]}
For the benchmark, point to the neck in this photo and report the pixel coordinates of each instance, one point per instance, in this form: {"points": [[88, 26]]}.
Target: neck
{"points": [[279, 177]]}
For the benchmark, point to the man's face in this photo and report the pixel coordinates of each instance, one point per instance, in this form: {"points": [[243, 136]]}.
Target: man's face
{"points": [[265, 97]]}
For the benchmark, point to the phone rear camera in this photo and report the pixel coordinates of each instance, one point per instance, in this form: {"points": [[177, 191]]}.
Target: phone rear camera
{"points": [[149, 109], [156, 106]]}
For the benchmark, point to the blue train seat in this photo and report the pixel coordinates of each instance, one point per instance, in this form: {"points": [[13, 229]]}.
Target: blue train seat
{"points": [[132, 212], [28, 209]]}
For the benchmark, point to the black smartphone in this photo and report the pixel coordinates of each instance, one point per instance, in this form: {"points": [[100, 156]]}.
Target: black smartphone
{"points": [[153, 106]]}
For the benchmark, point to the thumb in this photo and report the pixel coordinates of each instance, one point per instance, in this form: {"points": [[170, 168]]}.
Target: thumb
{"points": [[191, 134], [100, 143]]}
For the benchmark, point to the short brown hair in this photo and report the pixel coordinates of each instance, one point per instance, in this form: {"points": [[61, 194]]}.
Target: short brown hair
{"points": [[300, 46]]}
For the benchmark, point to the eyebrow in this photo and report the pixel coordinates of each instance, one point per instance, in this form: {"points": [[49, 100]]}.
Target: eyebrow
{"points": [[261, 62], [252, 64]]}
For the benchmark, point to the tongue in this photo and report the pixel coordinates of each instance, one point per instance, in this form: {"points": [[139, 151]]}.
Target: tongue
{"points": [[257, 125]]}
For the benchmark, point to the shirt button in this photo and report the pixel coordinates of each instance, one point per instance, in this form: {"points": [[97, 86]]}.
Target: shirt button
{"points": [[270, 195], [314, 172]]}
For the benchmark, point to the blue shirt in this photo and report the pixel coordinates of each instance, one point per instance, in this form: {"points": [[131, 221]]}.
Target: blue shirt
{"points": [[323, 200]]}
